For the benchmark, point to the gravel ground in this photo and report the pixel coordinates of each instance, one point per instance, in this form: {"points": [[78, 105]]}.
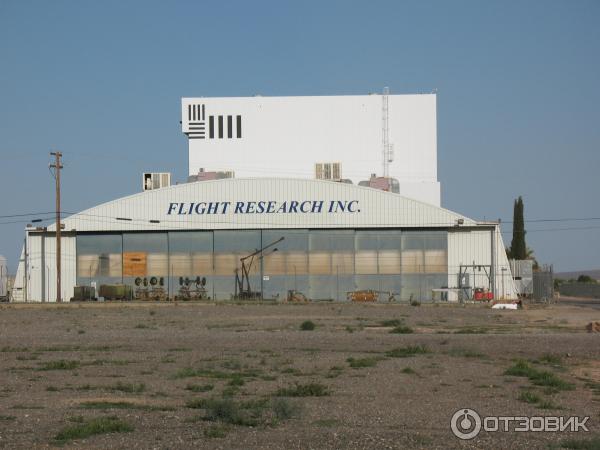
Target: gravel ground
{"points": [[65, 365]]}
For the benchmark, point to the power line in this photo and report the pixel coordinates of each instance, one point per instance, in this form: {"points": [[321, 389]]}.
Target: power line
{"points": [[29, 214]]}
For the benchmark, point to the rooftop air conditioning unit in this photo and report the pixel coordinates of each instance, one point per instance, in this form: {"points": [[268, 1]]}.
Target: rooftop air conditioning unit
{"points": [[155, 180], [328, 171]]}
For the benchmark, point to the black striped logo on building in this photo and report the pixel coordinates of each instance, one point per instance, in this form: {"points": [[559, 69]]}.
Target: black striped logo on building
{"points": [[219, 127]]}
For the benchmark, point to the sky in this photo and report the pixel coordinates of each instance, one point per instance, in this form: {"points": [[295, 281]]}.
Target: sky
{"points": [[518, 86]]}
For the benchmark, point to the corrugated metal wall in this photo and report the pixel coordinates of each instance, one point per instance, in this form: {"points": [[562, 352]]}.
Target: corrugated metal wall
{"points": [[40, 284], [474, 247]]}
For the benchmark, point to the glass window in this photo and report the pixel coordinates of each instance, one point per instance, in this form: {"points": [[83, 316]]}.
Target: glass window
{"points": [[99, 256]]}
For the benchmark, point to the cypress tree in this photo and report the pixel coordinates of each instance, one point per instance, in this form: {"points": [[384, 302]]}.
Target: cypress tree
{"points": [[518, 248]]}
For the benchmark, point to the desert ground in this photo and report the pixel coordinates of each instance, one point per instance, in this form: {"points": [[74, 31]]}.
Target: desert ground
{"points": [[206, 375]]}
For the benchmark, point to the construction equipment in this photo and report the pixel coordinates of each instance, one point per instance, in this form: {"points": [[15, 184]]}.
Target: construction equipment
{"points": [[242, 283], [296, 297], [363, 296], [189, 293], [115, 292], [83, 293]]}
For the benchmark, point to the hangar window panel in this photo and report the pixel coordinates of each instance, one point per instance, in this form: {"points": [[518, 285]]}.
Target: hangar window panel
{"points": [[94, 244], [342, 263], [99, 256], [412, 261], [340, 240], [229, 247], [296, 263], [389, 240], [145, 254], [292, 252], [330, 251], [413, 240], [275, 264], [389, 262], [366, 240], [241, 241], [319, 263], [436, 261], [436, 240], [191, 253], [225, 264], [202, 264], [366, 262]]}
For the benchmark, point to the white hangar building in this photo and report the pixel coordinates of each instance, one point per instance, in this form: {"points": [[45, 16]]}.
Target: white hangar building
{"points": [[273, 229], [331, 239]]}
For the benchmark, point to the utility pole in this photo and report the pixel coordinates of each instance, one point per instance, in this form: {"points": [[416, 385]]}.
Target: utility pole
{"points": [[57, 166]]}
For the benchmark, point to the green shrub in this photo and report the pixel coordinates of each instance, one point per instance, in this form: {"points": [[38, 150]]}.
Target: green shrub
{"points": [[303, 390], [551, 359], [228, 411], [307, 325], [92, 427], [521, 368], [132, 388], [408, 370], [199, 388], [357, 363], [529, 397], [283, 409], [236, 381], [216, 431], [391, 323], [61, 364], [471, 330], [544, 378]]}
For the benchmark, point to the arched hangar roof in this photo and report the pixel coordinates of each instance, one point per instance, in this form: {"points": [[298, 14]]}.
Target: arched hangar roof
{"points": [[260, 203]]}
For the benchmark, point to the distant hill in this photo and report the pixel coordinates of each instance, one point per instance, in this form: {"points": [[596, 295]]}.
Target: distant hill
{"points": [[568, 275]]}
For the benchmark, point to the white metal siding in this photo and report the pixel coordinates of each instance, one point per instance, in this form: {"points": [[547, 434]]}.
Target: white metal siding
{"points": [[467, 247], [286, 136]]}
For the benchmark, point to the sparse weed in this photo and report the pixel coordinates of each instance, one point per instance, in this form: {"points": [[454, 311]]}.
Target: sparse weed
{"points": [[405, 352], [303, 390], [522, 368], [61, 364], [357, 363], [199, 388]]}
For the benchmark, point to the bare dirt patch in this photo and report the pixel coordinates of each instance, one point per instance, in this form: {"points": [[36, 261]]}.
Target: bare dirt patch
{"points": [[197, 375]]}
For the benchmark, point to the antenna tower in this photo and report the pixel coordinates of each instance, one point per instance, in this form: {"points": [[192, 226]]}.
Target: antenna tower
{"points": [[387, 148]]}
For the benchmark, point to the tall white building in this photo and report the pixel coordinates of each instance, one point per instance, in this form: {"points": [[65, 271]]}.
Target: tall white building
{"points": [[286, 136]]}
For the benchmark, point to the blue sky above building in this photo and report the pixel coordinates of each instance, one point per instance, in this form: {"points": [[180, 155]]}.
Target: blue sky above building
{"points": [[517, 86]]}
